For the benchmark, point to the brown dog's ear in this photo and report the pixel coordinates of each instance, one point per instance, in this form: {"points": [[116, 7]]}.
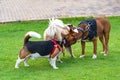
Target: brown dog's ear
{"points": [[84, 26]]}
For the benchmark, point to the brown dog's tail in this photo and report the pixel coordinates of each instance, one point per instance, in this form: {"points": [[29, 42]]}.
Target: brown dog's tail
{"points": [[31, 34]]}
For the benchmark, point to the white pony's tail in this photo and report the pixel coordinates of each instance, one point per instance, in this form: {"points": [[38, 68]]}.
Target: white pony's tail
{"points": [[31, 34]]}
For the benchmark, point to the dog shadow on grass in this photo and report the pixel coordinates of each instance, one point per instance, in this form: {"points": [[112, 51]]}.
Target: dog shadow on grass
{"points": [[68, 63]]}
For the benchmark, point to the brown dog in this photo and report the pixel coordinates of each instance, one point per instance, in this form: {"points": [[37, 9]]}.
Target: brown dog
{"points": [[89, 30]]}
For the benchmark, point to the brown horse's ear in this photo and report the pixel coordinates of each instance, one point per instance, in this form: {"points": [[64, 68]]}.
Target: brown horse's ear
{"points": [[71, 30], [71, 26]]}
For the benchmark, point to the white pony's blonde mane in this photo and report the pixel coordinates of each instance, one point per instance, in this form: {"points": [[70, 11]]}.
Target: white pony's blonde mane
{"points": [[55, 29], [56, 22], [54, 25]]}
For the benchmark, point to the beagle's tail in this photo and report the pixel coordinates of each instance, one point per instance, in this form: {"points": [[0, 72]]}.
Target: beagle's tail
{"points": [[30, 34]]}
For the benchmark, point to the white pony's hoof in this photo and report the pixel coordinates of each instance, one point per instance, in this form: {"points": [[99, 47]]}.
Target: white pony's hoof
{"points": [[55, 68], [26, 65], [82, 56], [105, 54], [60, 61], [16, 67], [74, 57], [94, 56]]}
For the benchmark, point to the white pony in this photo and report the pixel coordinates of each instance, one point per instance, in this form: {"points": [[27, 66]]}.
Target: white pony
{"points": [[55, 30]]}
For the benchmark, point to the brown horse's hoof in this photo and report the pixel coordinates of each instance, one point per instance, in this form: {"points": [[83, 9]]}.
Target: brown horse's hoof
{"points": [[94, 56]]}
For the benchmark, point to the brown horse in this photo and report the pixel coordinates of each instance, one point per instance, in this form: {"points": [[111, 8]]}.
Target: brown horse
{"points": [[89, 30]]}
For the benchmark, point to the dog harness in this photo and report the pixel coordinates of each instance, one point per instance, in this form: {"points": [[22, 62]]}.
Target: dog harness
{"points": [[55, 46], [92, 28]]}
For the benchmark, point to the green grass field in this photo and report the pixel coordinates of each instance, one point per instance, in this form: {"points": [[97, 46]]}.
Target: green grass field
{"points": [[102, 68]]}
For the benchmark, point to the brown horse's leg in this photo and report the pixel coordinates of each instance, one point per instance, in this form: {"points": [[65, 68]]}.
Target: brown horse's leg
{"points": [[83, 49], [106, 43], [95, 49], [103, 42], [69, 49]]}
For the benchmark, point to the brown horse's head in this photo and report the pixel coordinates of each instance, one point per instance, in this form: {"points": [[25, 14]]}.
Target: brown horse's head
{"points": [[75, 34], [70, 38]]}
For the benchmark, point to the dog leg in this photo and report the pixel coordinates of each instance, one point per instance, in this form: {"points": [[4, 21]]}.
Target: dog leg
{"points": [[56, 54], [18, 62], [95, 49], [58, 58], [26, 62], [69, 49], [83, 49], [53, 63]]}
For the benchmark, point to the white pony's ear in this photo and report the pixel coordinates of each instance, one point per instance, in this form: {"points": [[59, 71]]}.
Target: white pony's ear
{"points": [[50, 19], [53, 18]]}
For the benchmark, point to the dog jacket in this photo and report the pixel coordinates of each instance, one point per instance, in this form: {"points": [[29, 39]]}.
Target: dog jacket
{"points": [[92, 28]]}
